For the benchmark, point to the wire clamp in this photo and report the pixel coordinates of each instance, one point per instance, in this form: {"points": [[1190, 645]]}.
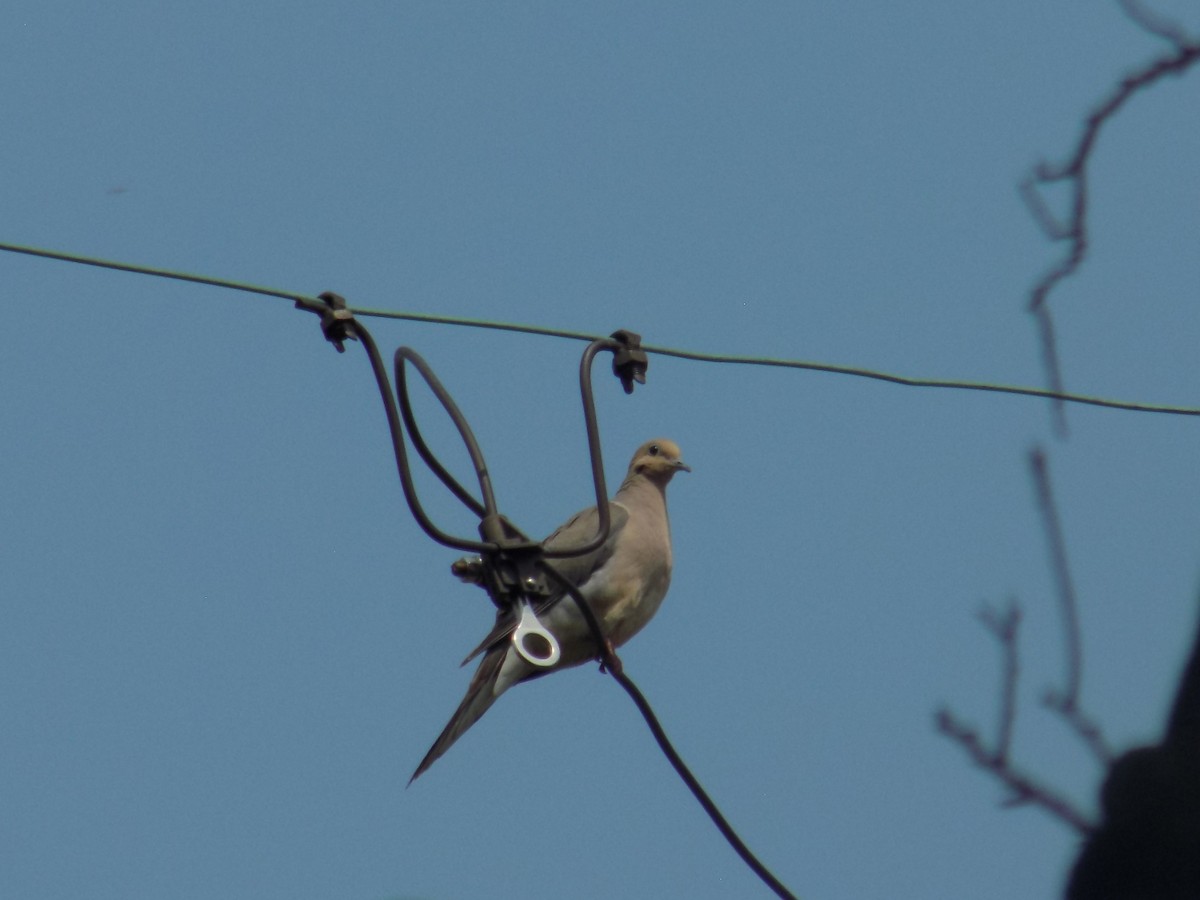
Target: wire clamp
{"points": [[629, 359], [508, 567], [337, 322]]}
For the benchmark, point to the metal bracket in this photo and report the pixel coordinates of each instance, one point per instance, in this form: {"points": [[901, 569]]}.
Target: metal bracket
{"points": [[630, 361], [337, 322]]}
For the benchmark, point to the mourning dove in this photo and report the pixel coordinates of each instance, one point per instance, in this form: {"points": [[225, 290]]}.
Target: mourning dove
{"points": [[624, 582]]}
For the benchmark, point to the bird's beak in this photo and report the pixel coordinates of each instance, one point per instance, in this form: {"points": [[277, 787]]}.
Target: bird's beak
{"points": [[680, 464]]}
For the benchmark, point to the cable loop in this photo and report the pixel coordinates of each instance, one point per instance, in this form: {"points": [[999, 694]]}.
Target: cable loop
{"points": [[510, 561]]}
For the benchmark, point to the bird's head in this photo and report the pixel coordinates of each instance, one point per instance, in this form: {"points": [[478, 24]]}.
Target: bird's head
{"points": [[658, 460]]}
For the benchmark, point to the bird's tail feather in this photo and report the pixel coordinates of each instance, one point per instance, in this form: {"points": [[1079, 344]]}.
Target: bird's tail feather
{"points": [[480, 696]]}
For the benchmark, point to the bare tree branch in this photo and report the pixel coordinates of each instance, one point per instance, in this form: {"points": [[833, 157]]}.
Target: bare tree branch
{"points": [[1062, 574], [1066, 702], [1003, 626], [1023, 789], [1074, 174]]}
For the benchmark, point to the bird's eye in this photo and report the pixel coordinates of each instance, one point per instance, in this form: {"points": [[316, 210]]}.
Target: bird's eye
{"points": [[654, 451]]}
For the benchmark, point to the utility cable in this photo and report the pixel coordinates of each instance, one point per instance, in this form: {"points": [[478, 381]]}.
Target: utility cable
{"points": [[311, 302]]}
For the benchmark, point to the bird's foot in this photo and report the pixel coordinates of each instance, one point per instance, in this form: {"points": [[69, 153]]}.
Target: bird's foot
{"points": [[609, 661]]}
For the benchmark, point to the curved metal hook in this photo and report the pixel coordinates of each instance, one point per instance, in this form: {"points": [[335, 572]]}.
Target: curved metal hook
{"points": [[396, 431], [593, 435]]}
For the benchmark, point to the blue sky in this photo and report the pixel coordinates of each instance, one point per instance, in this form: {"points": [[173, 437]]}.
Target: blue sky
{"points": [[225, 644]]}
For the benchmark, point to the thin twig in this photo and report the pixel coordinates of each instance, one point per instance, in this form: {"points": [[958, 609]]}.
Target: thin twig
{"points": [[1062, 575], [1003, 626], [1025, 789], [1067, 701], [1154, 23], [1074, 172], [1085, 727]]}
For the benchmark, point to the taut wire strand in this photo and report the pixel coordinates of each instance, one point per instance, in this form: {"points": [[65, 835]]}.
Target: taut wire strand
{"points": [[312, 303]]}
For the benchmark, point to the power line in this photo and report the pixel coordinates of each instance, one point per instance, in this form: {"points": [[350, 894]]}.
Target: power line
{"points": [[697, 356], [151, 270]]}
